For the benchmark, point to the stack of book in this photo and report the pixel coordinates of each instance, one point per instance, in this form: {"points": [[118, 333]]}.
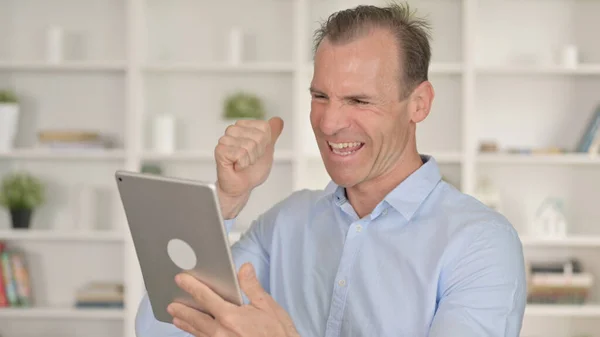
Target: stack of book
{"points": [[558, 283], [100, 295], [15, 288], [71, 139]]}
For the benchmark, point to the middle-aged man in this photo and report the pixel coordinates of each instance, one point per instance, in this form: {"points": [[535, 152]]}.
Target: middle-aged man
{"points": [[387, 248]]}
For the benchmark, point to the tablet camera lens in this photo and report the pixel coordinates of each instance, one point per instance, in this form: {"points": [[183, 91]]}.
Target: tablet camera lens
{"points": [[120, 179]]}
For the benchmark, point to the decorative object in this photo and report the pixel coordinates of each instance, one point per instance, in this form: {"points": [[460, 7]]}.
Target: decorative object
{"points": [[550, 220], [569, 56], [21, 193], [163, 133], [486, 193], [151, 169], [242, 105], [236, 45], [75, 46], [9, 119], [83, 207], [54, 44]]}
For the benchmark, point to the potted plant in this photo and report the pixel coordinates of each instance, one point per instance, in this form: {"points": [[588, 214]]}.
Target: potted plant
{"points": [[9, 116], [242, 105], [21, 193]]}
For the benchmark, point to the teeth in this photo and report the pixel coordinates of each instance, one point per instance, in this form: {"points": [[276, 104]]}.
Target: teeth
{"points": [[338, 148], [343, 145]]}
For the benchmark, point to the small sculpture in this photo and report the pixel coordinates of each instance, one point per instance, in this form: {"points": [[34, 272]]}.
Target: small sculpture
{"points": [[550, 220]]}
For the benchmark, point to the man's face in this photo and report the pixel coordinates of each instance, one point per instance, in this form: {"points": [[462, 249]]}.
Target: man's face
{"points": [[360, 123]]}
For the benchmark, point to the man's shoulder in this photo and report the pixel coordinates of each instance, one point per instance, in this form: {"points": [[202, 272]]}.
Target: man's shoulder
{"points": [[468, 218]]}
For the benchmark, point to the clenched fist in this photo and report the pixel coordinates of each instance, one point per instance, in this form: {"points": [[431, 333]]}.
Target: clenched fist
{"points": [[244, 157]]}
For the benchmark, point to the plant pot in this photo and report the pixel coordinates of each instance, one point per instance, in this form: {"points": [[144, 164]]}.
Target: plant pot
{"points": [[9, 117], [21, 218]]}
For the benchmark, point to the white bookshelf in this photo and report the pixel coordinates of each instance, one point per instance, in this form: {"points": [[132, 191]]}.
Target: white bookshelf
{"points": [[147, 56], [62, 313], [65, 66]]}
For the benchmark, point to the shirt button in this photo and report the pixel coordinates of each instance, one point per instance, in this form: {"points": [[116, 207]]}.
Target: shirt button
{"points": [[342, 283], [358, 228], [384, 211]]}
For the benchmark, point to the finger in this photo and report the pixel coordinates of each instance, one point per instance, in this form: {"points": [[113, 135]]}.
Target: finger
{"points": [[192, 320], [208, 299], [182, 325], [253, 149], [235, 156], [276, 125], [273, 127], [253, 131], [252, 288]]}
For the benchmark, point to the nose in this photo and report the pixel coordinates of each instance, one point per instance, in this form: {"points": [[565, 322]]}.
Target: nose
{"points": [[334, 119]]}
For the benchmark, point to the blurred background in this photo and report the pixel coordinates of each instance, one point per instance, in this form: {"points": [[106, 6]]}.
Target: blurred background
{"points": [[91, 86]]}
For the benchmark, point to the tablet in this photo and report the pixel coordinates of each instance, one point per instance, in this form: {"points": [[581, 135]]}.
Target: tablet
{"points": [[176, 226]]}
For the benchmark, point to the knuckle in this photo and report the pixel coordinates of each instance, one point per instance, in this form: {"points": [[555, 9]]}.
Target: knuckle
{"points": [[250, 144], [229, 320], [225, 140], [231, 130]]}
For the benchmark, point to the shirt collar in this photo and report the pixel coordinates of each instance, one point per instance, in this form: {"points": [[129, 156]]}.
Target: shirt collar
{"points": [[408, 196]]}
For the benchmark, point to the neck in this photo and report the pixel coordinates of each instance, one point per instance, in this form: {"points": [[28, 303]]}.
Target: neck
{"points": [[365, 196]]}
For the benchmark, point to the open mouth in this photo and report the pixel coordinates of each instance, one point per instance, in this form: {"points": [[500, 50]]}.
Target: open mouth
{"points": [[345, 149]]}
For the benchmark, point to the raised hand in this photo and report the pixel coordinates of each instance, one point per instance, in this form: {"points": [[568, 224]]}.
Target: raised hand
{"points": [[244, 157]]}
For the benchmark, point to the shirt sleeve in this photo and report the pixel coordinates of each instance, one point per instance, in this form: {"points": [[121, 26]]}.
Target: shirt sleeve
{"points": [[483, 287], [249, 248]]}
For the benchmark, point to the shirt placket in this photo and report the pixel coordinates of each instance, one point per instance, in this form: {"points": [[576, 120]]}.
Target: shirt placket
{"points": [[343, 281]]}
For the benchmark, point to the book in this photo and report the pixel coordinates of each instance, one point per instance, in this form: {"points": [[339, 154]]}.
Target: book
{"points": [[15, 287], [590, 135]]}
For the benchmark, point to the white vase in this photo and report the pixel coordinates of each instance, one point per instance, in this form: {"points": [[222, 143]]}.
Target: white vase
{"points": [[163, 133], [54, 44], [570, 56], [236, 45], [9, 120]]}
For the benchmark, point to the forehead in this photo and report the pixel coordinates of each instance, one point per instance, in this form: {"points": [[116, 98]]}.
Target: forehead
{"points": [[370, 59]]}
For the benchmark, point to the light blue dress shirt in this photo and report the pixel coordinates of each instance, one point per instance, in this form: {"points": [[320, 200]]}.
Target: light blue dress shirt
{"points": [[428, 261]]}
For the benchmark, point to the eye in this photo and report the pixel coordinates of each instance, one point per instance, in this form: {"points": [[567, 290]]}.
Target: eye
{"points": [[357, 101]]}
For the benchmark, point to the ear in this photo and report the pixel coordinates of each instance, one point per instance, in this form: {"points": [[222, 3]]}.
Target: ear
{"points": [[420, 101]]}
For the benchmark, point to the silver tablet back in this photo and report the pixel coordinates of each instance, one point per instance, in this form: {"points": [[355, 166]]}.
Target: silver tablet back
{"points": [[176, 226]]}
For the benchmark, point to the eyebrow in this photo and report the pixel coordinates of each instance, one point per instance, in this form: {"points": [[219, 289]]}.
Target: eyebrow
{"points": [[360, 96], [313, 90]]}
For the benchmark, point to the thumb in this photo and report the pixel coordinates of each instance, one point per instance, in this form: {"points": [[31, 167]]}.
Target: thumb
{"points": [[250, 285], [276, 124]]}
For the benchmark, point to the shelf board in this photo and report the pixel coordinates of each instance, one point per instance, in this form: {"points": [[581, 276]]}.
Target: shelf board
{"points": [[60, 235], [60, 312], [186, 155], [66, 66], [563, 310], [584, 69], [570, 241], [63, 154], [542, 159], [266, 67]]}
